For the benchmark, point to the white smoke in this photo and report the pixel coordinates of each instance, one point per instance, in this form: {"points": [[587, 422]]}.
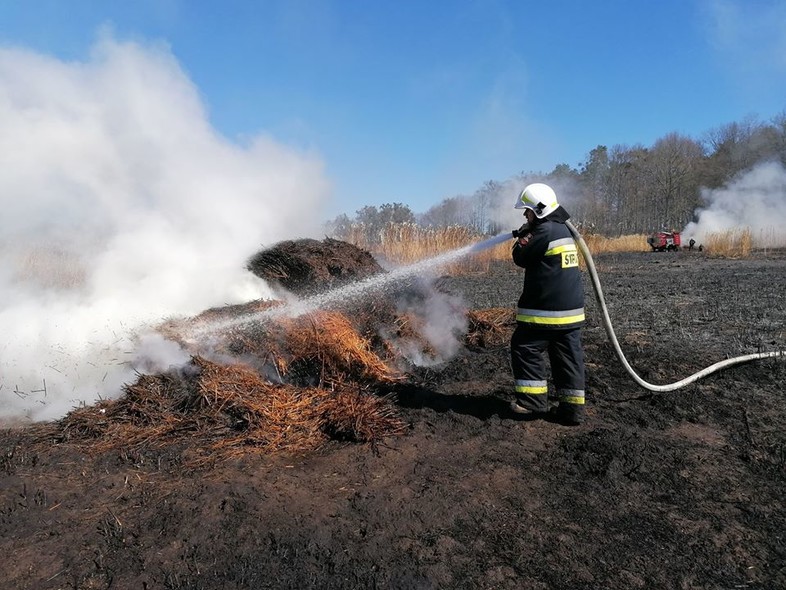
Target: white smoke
{"points": [[440, 322], [122, 206], [754, 200], [503, 211]]}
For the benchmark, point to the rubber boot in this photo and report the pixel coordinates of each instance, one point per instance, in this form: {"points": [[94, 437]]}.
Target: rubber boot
{"points": [[569, 414]]}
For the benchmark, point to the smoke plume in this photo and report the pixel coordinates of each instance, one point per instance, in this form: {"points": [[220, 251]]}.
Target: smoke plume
{"points": [[754, 200], [122, 206], [438, 319], [503, 211]]}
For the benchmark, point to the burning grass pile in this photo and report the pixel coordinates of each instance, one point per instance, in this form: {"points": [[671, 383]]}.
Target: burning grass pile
{"points": [[288, 385], [490, 327], [268, 383], [225, 411], [310, 266], [330, 340], [309, 380], [320, 349]]}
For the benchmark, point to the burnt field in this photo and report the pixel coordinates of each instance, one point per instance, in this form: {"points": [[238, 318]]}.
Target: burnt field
{"points": [[655, 490]]}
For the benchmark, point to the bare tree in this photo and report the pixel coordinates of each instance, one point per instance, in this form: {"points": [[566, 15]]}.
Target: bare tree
{"points": [[626, 189], [673, 173], [594, 177], [779, 126], [730, 151], [370, 221], [447, 212]]}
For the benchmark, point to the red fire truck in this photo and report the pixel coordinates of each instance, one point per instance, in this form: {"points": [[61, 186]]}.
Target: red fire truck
{"points": [[664, 240]]}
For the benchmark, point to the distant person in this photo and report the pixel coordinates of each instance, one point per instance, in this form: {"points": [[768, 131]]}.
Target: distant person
{"points": [[550, 310], [691, 243]]}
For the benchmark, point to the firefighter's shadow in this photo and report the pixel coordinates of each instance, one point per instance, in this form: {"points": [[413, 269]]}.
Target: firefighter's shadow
{"points": [[482, 407]]}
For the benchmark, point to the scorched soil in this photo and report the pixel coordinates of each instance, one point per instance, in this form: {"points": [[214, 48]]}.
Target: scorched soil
{"points": [[671, 490]]}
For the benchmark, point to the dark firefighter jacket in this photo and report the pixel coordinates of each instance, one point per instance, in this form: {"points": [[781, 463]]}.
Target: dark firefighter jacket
{"points": [[553, 296]]}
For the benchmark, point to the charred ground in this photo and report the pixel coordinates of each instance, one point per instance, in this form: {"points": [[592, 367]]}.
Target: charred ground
{"points": [[676, 490]]}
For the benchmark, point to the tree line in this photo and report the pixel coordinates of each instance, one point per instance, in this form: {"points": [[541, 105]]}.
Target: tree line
{"points": [[617, 191]]}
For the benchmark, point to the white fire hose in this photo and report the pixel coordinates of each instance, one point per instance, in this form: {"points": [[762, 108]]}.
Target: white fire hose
{"points": [[613, 337]]}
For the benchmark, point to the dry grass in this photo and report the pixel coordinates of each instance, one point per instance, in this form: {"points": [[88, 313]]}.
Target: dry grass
{"points": [[736, 243], [407, 243], [322, 347], [308, 380], [489, 327], [329, 341], [214, 411], [598, 244], [224, 411], [770, 238]]}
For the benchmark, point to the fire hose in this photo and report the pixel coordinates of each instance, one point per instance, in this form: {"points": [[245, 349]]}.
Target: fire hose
{"points": [[618, 350]]}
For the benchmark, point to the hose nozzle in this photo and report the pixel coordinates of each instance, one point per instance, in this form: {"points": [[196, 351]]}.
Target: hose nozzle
{"points": [[521, 231]]}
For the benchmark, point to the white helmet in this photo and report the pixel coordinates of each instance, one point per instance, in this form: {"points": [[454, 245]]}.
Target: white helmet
{"points": [[539, 197]]}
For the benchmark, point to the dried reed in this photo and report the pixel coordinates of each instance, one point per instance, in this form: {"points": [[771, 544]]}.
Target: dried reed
{"points": [[227, 410], [489, 327], [408, 243], [733, 243]]}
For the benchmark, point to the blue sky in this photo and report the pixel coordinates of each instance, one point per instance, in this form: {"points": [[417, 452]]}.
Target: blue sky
{"points": [[411, 101]]}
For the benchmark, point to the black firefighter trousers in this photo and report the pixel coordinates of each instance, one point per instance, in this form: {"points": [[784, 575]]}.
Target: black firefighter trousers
{"points": [[527, 348]]}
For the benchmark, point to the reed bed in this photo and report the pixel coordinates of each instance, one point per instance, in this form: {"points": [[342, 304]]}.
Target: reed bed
{"points": [[599, 244], [406, 243], [735, 243], [403, 244], [770, 238]]}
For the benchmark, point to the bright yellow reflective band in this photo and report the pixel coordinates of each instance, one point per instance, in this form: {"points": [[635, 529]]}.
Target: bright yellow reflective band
{"points": [[531, 390], [531, 387], [570, 393], [561, 249], [550, 321], [572, 400], [559, 246]]}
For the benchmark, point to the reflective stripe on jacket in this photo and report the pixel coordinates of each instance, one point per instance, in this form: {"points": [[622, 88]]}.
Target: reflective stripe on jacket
{"points": [[553, 295]]}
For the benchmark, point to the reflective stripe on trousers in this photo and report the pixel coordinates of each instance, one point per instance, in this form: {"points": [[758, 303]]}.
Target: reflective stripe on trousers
{"points": [[528, 347], [531, 387], [571, 396]]}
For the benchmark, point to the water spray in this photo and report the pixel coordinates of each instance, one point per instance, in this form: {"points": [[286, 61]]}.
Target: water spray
{"points": [[298, 307], [781, 354]]}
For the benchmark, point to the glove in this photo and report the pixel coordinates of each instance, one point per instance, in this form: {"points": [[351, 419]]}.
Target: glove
{"points": [[521, 231]]}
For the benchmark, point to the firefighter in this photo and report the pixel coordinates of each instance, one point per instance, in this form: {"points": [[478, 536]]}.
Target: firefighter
{"points": [[550, 310]]}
